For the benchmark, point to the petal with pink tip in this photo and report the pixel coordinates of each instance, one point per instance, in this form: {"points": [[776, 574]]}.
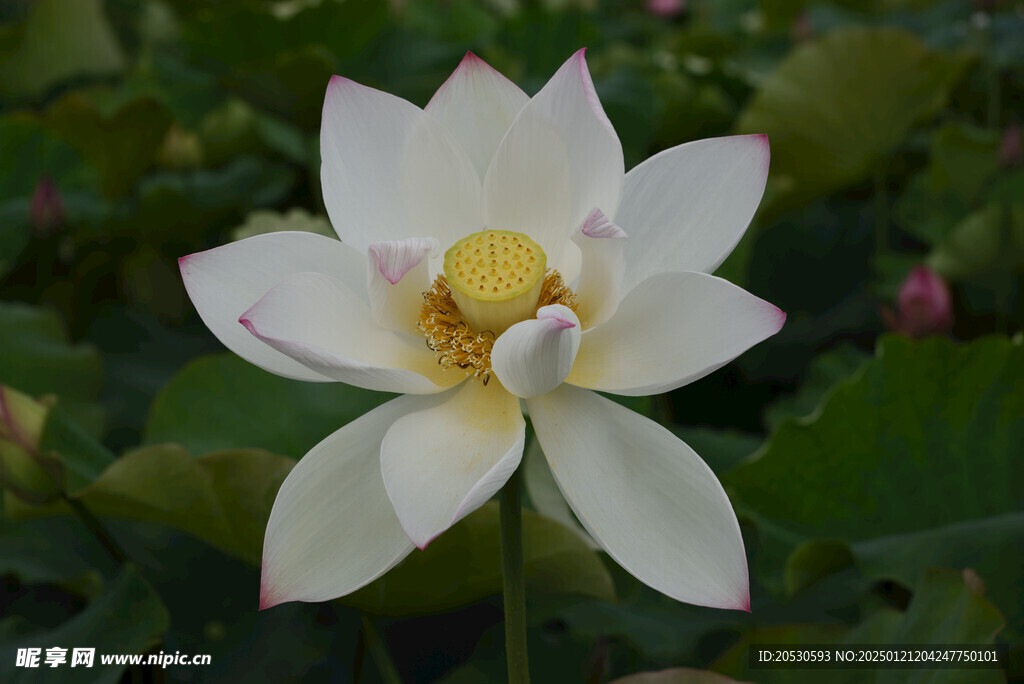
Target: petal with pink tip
{"points": [[602, 247], [317, 321], [397, 276], [444, 462], [477, 105], [390, 171], [332, 529], [644, 496], [672, 329], [560, 159], [225, 281], [686, 208], [534, 356]]}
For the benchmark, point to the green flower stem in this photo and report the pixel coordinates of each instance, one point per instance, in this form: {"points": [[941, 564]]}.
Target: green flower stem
{"points": [[379, 652], [514, 579], [97, 529]]}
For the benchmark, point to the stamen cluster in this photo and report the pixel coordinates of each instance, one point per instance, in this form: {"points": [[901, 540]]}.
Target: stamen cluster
{"points": [[459, 346]]}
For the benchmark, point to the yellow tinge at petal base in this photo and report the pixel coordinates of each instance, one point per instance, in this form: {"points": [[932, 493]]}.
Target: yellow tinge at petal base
{"points": [[496, 277]]}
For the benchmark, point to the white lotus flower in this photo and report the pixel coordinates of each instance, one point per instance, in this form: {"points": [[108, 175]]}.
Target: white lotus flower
{"points": [[488, 215]]}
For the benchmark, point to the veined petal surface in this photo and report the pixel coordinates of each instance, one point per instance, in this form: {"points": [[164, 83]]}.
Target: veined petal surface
{"points": [[560, 159], [317, 321], [225, 281], [686, 208], [444, 462], [390, 171], [672, 329], [534, 356], [602, 246], [644, 496], [477, 105], [332, 529]]}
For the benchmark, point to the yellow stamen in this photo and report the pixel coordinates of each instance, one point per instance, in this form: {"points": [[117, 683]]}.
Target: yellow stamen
{"points": [[456, 343]]}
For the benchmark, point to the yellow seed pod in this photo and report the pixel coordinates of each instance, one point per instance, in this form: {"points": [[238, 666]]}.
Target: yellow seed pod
{"points": [[495, 278]]}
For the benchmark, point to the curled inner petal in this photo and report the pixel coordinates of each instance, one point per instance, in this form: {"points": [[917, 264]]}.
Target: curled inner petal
{"points": [[602, 250], [397, 273], [534, 357]]}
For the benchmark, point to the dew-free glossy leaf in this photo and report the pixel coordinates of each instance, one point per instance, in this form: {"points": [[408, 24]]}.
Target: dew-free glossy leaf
{"points": [[54, 551], [120, 146], [836, 107], [927, 434], [989, 546], [223, 402], [224, 498], [37, 358], [989, 240], [825, 372], [61, 41], [964, 159], [945, 609], [924, 439], [129, 618]]}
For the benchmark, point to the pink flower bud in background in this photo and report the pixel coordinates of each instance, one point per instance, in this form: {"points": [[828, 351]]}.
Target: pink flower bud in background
{"points": [[924, 304], [1011, 152], [801, 30], [26, 471], [666, 8], [47, 209]]}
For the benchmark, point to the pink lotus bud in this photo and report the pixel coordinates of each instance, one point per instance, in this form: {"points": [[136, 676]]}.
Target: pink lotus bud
{"points": [[974, 583], [1011, 152], [801, 30], [47, 207], [25, 471], [666, 8], [925, 306]]}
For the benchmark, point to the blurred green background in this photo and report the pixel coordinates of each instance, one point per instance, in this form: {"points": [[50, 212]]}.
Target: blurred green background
{"points": [[873, 449]]}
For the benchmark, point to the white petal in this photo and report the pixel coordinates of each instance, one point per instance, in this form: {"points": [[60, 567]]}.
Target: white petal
{"points": [[477, 105], [319, 322], [534, 356], [391, 172], [332, 529], [687, 207], [672, 329], [560, 159], [443, 463], [602, 249], [225, 281], [397, 276], [544, 493], [644, 496]]}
